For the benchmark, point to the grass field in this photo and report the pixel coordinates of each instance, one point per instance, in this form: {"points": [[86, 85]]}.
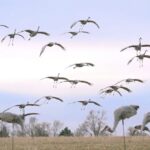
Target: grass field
{"points": [[75, 143]]}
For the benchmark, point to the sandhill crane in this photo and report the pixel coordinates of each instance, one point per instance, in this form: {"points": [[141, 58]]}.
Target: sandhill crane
{"points": [[146, 120], [129, 80], [86, 102], [12, 36], [75, 82], [4, 26], [73, 33], [137, 47], [33, 33], [140, 57], [114, 88], [21, 106], [15, 118], [109, 91], [84, 22], [55, 78], [79, 65], [50, 45], [120, 114], [48, 98]]}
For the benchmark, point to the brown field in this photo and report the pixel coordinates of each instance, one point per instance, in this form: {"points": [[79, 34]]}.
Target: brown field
{"points": [[75, 143]]}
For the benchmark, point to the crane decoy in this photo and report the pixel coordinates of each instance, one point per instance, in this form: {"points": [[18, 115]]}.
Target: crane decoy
{"points": [[48, 98], [137, 47], [120, 114], [4, 26], [73, 33], [12, 36], [140, 57], [83, 22], [55, 78], [33, 33], [79, 65], [146, 120], [15, 118], [75, 82], [86, 102], [21, 106], [50, 45]]}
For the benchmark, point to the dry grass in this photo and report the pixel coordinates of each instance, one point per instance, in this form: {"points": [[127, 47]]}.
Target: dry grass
{"points": [[76, 143]]}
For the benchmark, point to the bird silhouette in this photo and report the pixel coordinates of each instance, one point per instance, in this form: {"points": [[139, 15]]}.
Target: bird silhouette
{"points": [[140, 57], [75, 82], [48, 98], [50, 45], [79, 65], [84, 22], [74, 33], [56, 78], [114, 88], [12, 36], [137, 47], [33, 33], [129, 80], [86, 102], [139, 127]]}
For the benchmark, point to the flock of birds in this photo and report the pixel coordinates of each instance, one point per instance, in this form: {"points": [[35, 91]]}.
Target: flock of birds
{"points": [[120, 114]]}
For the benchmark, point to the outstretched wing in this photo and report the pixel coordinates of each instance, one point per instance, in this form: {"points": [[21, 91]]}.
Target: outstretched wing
{"points": [[4, 26], [60, 46], [131, 60], [43, 49], [90, 64], [4, 38], [131, 46], [94, 103], [84, 32], [139, 80], [86, 82], [45, 33], [20, 35], [57, 98], [125, 88], [74, 24], [146, 56], [91, 21], [145, 45], [9, 108]]}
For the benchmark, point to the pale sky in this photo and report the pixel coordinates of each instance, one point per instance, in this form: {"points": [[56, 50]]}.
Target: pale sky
{"points": [[121, 24]]}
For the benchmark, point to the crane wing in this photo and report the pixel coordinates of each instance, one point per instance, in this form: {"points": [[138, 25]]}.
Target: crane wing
{"points": [[57, 98], [131, 60], [86, 82], [94, 103], [74, 24], [131, 46], [91, 21], [43, 49], [60, 46], [125, 88], [4, 26], [4, 38]]}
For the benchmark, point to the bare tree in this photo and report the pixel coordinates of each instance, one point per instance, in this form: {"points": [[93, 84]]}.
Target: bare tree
{"points": [[56, 127], [93, 124]]}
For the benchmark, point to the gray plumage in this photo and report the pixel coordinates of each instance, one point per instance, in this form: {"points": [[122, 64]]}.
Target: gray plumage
{"points": [[12, 36], [74, 33], [130, 80], [14, 118], [48, 98], [79, 65], [137, 47], [33, 33], [146, 120], [83, 22], [4, 26], [50, 45], [123, 113]]}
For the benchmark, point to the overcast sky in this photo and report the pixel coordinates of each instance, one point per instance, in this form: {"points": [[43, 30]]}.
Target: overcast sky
{"points": [[121, 24]]}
